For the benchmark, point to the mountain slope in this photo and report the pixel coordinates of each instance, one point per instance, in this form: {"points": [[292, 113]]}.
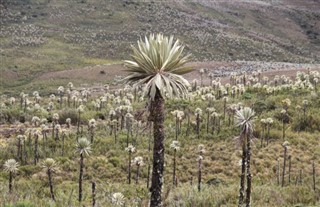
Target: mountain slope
{"points": [[48, 35]]}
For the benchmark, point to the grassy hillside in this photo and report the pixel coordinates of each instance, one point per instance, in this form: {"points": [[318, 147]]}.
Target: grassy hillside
{"points": [[38, 36]]}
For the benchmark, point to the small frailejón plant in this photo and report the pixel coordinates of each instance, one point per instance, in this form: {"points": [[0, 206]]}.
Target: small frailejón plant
{"points": [[112, 115], [215, 122], [60, 93], [83, 148], [129, 118], [44, 130], [68, 123], [201, 151], [91, 127], [158, 63], [36, 134], [55, 121], [178, 115], [117, 199], [20, 139], [209, 111], [50, 166], [114, 124], [130, 149], [11, 166], [80, 110], [138, 161], [175, 146], [198, 113], [244, 120]]}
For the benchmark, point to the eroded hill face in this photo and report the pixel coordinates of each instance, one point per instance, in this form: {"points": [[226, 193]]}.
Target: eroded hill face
{"points": [[48, 35]]}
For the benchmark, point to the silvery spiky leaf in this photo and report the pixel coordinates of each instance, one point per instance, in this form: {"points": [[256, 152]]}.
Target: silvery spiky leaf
{"points": [[158, 63], [305, 102], [117, 199], [80, 109], [263, 121], [49, 163], [60, 89], [285, 144], [199, 158], [244, 119], [138, 161], [68, 120], [55, 117], [175, 145], [201, 148], [11, 165], [92, 123], [130, 148], [83, 146], [286, 103], [198, 111], [21, 137], [269, 120]]}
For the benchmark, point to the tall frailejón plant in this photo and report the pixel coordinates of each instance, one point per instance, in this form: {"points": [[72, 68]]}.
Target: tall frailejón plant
{"points": [[11, 166], [130, 149], [201, 151], [50, 165], [244, 120], [157, 64], [83, 148], [175, 146]]}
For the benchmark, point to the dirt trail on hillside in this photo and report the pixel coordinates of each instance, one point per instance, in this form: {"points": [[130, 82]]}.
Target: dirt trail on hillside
{"points": [[103, 73]]}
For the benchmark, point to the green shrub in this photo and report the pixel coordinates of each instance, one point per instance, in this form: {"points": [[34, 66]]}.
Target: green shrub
{"points": [[68, 113], [115, 161]]}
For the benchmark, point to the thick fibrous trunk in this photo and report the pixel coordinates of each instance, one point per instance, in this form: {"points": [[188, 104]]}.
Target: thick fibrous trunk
{"points": [[199, 174], [36, 155], [80, 177], [248, 191], [93, 194], [129, 169], [18, 149], [198, 126], [10, 182], [177, 127], [137, 176], [242, 176], [314, 176], [149, 150], [289, 171], [157, 113], [50, 184]]}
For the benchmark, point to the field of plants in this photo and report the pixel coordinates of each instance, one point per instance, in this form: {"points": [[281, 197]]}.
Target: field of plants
{"points": [[107, 137], [95, 113]]}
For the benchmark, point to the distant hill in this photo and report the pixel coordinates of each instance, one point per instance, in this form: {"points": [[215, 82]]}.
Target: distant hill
{"points": [[38, 36]]}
